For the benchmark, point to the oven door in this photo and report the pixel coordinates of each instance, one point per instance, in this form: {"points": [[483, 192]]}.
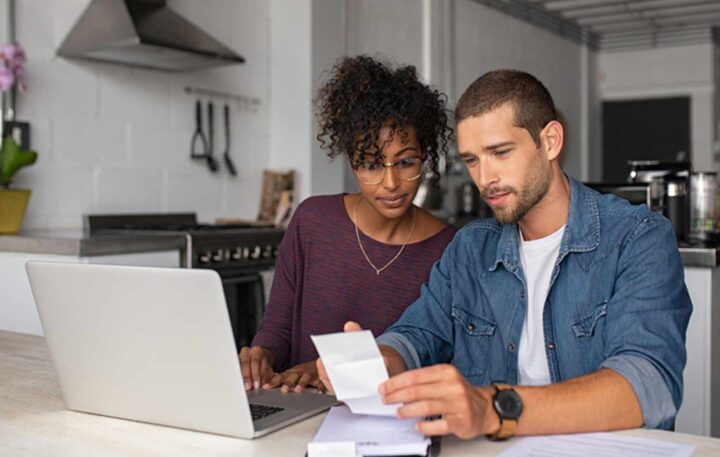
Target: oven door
{"points": [[245, 297]]}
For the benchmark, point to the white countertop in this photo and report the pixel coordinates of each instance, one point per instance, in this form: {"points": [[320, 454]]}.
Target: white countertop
{"points": [[34, 422]]}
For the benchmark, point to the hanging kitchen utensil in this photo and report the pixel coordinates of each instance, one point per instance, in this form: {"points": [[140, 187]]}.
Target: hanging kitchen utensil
{"points": [[226, 156], [198, 137], [212, 163]]}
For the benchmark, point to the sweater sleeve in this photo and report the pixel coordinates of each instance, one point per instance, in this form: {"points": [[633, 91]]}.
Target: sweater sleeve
{"points": [[275, 331]]}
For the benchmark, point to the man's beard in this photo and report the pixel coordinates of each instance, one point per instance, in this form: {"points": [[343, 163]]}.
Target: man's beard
{"points": [[538, 183]]}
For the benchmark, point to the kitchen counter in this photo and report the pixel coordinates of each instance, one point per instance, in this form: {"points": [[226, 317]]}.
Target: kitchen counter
{"points": [[78, 243], [700, 256], [36, 422]]}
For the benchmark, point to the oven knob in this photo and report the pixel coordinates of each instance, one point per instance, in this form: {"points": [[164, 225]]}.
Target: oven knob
{"points": [[246, 252], [267, 252], [237, 253], [256, 252], [205, 257], [275, 252], [219, 256]]}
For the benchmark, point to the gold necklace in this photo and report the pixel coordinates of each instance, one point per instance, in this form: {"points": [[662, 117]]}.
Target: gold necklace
{"points": [[402, 248]]}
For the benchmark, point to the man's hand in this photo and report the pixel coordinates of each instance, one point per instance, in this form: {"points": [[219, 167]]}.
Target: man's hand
{"points": [[465, 410], [296, 378], [349, 326], [256, 366]]}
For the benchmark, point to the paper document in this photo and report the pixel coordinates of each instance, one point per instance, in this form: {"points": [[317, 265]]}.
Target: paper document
{"points": [[372, 435], [356, 369], [596, 445]]}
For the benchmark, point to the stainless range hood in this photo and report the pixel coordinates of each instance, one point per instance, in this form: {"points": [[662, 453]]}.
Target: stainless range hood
{"points": [[143, 33]]}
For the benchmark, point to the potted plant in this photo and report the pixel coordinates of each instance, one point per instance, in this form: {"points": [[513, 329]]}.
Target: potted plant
{"points": [[12, 158]]}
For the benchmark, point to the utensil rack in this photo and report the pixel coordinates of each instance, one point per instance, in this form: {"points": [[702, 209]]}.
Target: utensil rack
{"points": [[245, 102]]}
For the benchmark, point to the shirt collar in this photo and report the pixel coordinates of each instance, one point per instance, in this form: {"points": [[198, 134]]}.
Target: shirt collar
{"points": [[582, 229]]}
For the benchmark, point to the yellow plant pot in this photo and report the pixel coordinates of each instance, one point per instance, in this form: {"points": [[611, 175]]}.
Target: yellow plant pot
{"points": [[12, 209]]}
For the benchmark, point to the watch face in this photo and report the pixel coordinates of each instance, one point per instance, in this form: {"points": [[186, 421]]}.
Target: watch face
{"points": [[508, 404]]}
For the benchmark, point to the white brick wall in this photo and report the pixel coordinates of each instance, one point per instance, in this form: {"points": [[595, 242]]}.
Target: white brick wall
{"points": [[117, 139]]}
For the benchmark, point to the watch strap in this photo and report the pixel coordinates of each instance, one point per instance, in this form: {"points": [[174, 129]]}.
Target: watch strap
{"points": [[507, 426]]}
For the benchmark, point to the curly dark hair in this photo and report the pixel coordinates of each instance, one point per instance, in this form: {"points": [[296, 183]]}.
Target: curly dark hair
{"points": [[363, 94]]}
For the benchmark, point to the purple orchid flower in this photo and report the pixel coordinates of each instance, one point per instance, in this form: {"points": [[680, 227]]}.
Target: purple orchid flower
{"points": [[7, 52], [7, 78], [12, 67]]}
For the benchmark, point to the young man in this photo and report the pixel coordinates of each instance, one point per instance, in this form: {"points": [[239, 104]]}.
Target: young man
{"points": [[565, 313]]}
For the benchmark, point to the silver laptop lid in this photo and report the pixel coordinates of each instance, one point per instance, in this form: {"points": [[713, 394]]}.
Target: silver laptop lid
{"points": [[115, 335]]}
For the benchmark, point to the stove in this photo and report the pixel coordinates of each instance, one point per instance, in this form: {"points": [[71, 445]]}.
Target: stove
{"points": [[240, 253], [216, 246]]}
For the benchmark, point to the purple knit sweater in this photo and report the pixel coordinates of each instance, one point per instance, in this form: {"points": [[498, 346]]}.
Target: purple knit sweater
{"points": [[322, 280]]}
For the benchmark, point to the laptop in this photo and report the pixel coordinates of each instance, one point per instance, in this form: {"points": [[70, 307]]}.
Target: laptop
{"points": [[154, 345]]}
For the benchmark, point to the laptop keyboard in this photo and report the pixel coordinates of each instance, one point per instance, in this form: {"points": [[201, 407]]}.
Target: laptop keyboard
{"points": [[260, 411]]}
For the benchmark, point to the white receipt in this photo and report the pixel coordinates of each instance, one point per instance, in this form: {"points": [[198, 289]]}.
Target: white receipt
{"points": [[372, 435], [596, 445], [356, 369], [332, 449]]}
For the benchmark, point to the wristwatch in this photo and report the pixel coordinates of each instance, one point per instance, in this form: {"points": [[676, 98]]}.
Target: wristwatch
{"points": [[509, 406]]}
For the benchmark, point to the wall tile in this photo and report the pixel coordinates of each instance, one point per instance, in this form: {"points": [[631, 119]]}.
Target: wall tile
{"points": [[64, 193], [160, 149], [36, 36], [59, 87], [201, 192], [84, 141], [134, 95], [128, 190]]}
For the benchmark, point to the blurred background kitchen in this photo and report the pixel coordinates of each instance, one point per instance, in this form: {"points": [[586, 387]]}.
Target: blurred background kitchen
{"points": [[165, 141]]}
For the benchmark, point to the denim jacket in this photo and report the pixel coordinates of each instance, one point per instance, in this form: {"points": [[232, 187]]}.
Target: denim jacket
{"points": [[617, 300]]}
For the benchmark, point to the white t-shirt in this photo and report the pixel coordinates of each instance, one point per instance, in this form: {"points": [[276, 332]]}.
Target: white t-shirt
{"points": [[538, 259]]}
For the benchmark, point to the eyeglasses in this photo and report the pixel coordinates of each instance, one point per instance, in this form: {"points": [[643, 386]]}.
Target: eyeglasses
{"points": [[407, 169]]}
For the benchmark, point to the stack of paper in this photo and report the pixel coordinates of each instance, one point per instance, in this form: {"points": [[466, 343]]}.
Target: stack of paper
{"points": [[596, 445], [346, 434], [356, 369]]}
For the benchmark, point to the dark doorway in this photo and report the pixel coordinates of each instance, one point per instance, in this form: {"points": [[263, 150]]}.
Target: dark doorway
{"points": [[647, 129]]}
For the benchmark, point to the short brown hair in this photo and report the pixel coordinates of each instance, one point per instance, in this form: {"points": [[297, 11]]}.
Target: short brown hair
{"points": [[532, 104]]}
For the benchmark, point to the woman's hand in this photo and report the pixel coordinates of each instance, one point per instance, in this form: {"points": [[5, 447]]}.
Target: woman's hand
{"points": [[256, 366], [296, 379]]}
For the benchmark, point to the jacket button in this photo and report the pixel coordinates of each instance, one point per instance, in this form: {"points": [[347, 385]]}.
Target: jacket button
{"points": [[471, 327], [511, 347], [551, 346]]}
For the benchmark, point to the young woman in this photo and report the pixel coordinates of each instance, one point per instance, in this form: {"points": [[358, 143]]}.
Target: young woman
{"points": [[360, 257]]}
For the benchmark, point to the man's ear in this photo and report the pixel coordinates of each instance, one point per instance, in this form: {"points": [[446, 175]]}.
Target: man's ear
{"points": [[552, 137]]}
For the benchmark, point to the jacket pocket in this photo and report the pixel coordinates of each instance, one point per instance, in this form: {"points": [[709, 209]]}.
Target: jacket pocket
{"points": [[473, 342], [585, 326]]}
